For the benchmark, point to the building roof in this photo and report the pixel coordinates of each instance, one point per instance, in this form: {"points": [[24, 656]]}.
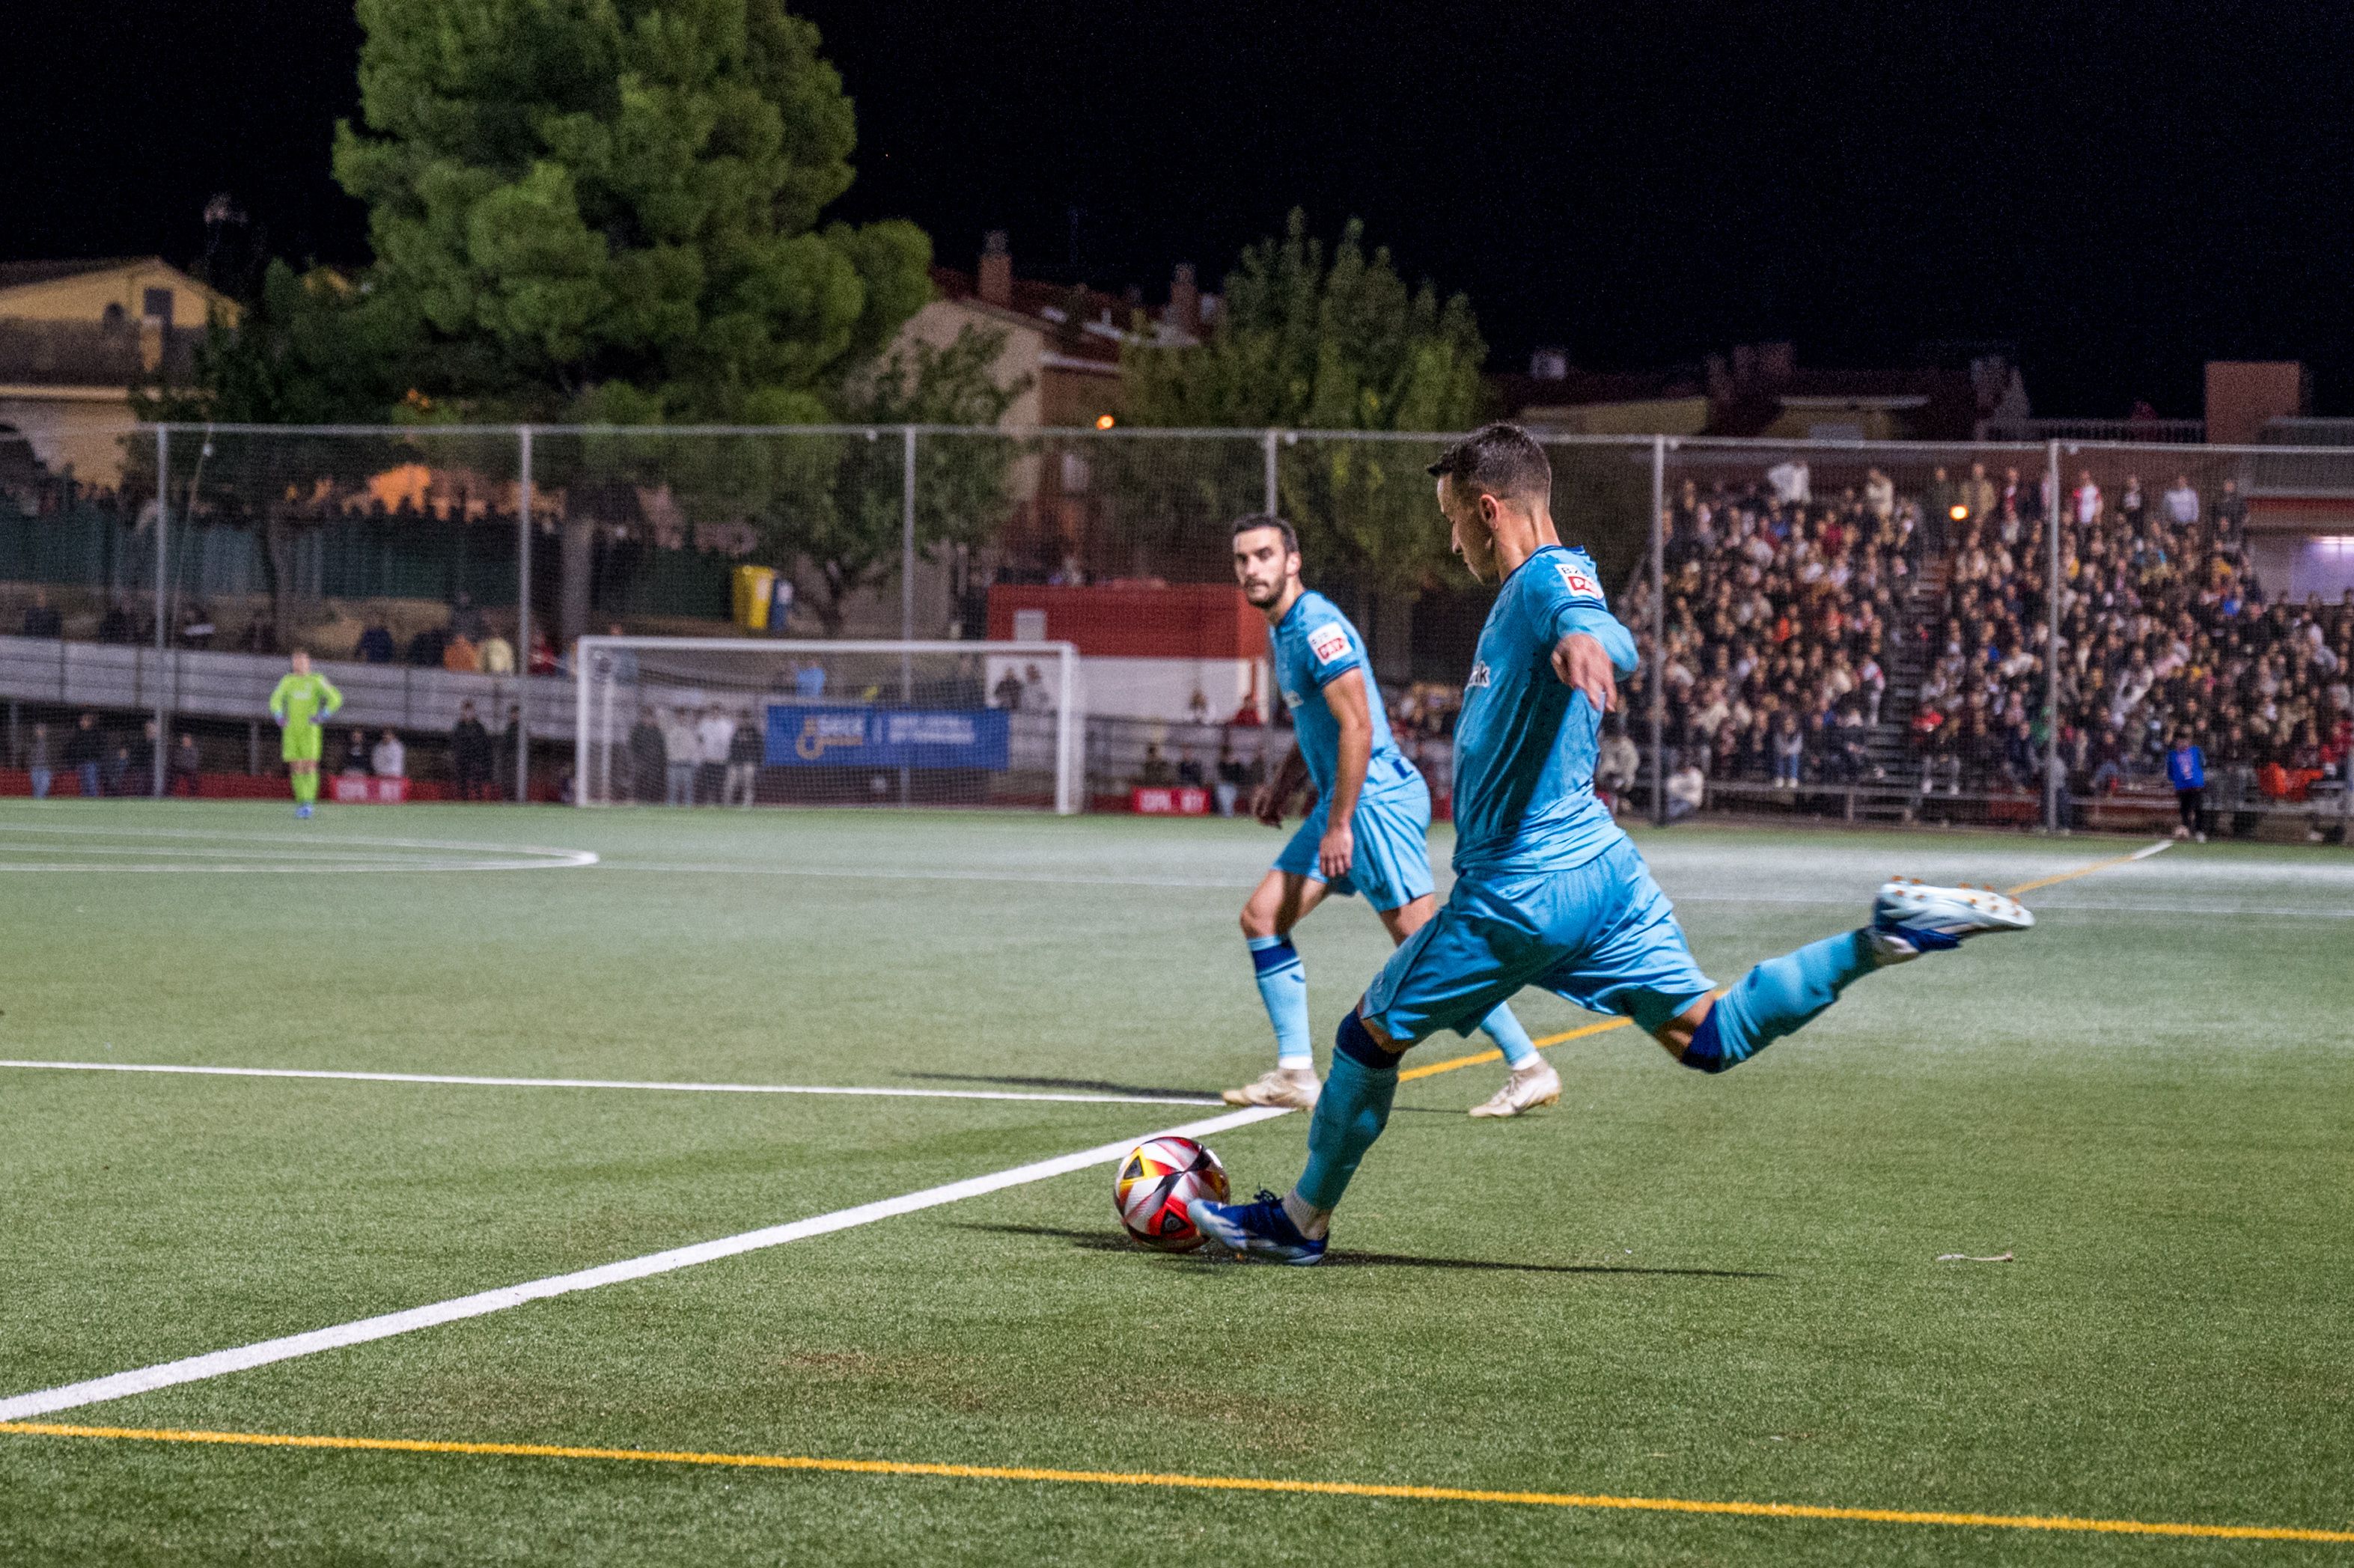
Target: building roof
{"points": [[19, 274], [1935, 403], [1083, 322]]}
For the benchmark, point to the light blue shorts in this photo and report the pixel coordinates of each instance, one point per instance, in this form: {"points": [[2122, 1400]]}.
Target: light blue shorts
{"points": [[1392, 825], [1601, 935]]}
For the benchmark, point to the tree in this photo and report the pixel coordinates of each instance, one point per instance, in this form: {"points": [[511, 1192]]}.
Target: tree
{"points": [[608, 209], [309, 350], [1308, 341], [833, 502]]}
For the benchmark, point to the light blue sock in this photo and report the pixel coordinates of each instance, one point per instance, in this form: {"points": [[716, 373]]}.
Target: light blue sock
{"points": [[1510, 1039], [1350, 1114], [1778, 997], [1283, 986]]}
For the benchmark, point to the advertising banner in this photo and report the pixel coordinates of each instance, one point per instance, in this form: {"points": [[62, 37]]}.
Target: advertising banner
{"points": [[803, 734]]}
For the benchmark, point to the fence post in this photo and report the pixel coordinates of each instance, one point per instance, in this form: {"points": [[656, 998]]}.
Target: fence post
{"points": [[1274, 507], [1659, 681], [523, 622], [907, 585], [163, 560], [2055, 767]]}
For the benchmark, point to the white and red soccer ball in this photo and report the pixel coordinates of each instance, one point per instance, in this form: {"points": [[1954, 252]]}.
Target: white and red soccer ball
{"points": [[1157, 1180]]}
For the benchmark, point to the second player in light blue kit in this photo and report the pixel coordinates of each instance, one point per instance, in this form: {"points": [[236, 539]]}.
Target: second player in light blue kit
{"points": [[1549, 892], [1367, 834]]}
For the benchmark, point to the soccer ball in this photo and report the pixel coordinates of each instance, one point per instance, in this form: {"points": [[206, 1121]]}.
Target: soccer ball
{"points": [[1157, 1180]]}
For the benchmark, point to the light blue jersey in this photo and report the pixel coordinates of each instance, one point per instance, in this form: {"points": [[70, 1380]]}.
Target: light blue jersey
{"points": [[1313, 646], [1525, 743], [1549, 892]]}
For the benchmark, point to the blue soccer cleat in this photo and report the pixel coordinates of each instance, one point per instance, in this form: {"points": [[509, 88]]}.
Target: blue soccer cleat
{"points": [[1910, 918], [1261, 1226], [302, 811]]}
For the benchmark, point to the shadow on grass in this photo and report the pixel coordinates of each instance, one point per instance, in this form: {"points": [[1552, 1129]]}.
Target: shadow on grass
{"points": [[1082, 1086], [1100, 1241]]}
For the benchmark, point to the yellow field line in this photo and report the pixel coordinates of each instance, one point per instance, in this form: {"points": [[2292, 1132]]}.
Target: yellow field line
{"points": [[2142, 853], [1477, 1057], [1186, 1483], [1491, 1055]]}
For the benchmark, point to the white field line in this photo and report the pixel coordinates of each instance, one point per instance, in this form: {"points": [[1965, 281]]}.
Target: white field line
{"points": [[514, 857], [219, 1363], [879, 1092], [866, 873], [323, 869]]}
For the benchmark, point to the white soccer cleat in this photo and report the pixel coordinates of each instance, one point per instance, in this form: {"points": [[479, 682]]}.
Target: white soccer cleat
{"points": [[1294, 1088], [1910, 918], [1525, 1088]]}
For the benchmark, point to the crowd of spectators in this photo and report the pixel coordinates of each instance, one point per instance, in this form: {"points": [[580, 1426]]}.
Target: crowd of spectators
{"points": [[2167, 637], [690, 756], [1778, 612], [94, 762]]}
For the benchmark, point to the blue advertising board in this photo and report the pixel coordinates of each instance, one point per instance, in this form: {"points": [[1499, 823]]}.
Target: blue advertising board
{"points": [[808, 735]]}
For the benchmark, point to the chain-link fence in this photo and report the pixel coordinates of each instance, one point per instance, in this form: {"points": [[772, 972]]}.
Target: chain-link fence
{"points": [[1852, 630]]}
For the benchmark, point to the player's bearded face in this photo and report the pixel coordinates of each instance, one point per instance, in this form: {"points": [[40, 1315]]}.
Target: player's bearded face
{"points": [[1262, 565]]}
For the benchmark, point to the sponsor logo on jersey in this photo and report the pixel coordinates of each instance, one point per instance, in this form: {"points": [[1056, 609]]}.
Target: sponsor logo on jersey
{"points": [[1479, 677], [1328, 642], [1578, 580]]}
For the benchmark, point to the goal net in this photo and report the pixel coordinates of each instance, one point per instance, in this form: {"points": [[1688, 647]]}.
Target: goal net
{"points": [[697, 721]]}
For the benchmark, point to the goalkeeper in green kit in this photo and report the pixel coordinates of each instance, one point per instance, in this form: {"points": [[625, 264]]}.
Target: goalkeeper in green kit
{"points": [[300, 704]]}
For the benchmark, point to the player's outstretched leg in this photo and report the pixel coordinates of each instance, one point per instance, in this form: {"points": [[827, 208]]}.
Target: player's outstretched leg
{"points": [[1783, 995], [1529, 1079], [1350, 1115]]}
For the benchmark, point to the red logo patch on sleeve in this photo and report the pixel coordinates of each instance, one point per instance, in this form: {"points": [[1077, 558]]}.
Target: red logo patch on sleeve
{"points": [[1327, 642], [1574, 579]]}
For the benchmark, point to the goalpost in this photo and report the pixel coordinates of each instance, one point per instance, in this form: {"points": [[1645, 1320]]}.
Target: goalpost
{"points": [[743, 721]]}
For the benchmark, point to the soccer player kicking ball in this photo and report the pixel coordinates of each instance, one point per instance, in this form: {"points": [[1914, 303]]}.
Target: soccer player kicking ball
{"points": [[300, 704], [1367, 833], [1549, 892]]}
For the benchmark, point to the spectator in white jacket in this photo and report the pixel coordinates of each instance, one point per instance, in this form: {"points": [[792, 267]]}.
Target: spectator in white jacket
{"points": [[680, 749], [713, 736]]}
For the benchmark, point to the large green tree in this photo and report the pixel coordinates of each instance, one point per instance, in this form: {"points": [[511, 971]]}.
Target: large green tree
{"points": [[1315, 338], [835, 507], [309, 350], [611, 209]]}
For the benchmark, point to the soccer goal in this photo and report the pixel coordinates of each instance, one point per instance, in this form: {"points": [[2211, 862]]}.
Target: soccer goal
{"points": [[718, 721]]}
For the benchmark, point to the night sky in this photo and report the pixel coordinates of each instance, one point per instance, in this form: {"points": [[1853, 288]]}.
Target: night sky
{"points": [[2118, 196]]}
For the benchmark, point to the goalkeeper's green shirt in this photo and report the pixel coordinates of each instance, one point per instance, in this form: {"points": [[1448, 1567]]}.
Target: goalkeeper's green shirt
{"points": [[303, 699]]}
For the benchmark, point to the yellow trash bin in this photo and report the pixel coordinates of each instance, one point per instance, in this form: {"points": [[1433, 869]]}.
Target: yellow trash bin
{"points": [[755, 587]]}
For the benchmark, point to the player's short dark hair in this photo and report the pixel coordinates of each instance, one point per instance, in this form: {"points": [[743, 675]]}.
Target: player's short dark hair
{"points": [[1504, 461], [1264, 519]]}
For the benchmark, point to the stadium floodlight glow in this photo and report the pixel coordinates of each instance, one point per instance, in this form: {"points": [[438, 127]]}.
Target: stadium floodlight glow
{"points": [[1958, 513], [1105, 421], [774, 721]]}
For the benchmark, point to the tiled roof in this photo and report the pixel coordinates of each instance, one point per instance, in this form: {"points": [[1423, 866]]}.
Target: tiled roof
{"points": [[1095, 335], [19, 274]]}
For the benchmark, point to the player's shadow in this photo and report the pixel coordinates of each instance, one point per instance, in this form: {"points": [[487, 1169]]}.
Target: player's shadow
{"points": [[1097, 1241], [1078, 1085]]}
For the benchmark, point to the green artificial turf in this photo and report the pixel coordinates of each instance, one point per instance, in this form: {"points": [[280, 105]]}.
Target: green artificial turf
{"points": [[1670, 1285]]}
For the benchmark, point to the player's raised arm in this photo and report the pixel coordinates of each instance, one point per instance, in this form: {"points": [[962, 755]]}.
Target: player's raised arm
{"points": [[1591, 648]]}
